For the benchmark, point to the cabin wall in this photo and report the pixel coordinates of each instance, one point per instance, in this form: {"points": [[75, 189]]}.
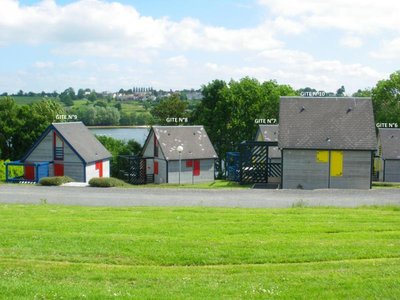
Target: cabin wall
{"points": [[206, 172], [392, 170], [302, 169]]}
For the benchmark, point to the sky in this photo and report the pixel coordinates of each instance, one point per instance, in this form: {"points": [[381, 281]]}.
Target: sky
{"points": [[180, 44]]}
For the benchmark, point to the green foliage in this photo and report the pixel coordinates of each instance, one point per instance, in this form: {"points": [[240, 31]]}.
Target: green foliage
{"points": [[57, 180], [172, 107], [228, 111], [71, 252], [106, 182], [13, 171], [363, 93], [97, 115], [20, 126], [118, 147], [386, 99]]}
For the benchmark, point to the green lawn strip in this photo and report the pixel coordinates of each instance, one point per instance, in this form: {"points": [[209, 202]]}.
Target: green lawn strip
{"points": [[217, 184], [385, 185], [358, 279], [61, 251]]}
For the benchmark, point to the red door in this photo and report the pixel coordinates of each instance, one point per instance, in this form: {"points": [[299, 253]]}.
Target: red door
{"points": [[58, 170], [29, 173]]}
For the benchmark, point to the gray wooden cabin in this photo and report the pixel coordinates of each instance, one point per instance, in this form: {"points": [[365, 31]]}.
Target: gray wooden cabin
{"points": [[389, 154], [162, 157], [326, 142], [72, 150]]}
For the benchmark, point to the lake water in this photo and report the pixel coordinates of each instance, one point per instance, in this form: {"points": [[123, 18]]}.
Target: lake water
{"points": [[138, 134]]}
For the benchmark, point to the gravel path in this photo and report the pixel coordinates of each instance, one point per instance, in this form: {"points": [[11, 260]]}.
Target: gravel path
{"points": [[195, 197]]}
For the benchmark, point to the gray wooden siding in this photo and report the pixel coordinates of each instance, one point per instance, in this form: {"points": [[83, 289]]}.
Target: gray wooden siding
{"points": [[149, 151], [75, 171], [206, 172], [44, 150], [356, 171], [162, 171], [392, 170], [300, 169]]}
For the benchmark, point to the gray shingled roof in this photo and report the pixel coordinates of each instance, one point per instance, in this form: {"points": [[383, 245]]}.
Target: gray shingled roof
{"points": [[390, 141], [193, 139], [326, 123], [82, 141], [269, 132]]}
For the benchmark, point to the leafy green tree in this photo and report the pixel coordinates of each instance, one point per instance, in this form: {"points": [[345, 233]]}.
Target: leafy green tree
{"points": [[386, 99], [172, 107], [228, 111], [100, 103], [92, 96], [20, 126], [119, 147], [81, 94], [363, 93]]}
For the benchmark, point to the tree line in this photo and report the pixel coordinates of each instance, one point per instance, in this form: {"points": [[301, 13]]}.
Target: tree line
{"points": [[227, 110]]}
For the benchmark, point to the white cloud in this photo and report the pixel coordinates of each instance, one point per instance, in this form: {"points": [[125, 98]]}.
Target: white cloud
{"points": [[388, 50], [117, 30], [43, 64], [179, 61], [362, 16], [351, 42]]}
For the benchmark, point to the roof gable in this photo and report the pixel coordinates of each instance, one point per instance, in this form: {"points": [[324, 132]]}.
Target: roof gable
{"points": [[82, 141], [268, 132], [194, 140], [390, 142], [326, 123]]}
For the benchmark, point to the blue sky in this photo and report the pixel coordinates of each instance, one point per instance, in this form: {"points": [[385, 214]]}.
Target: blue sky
{"points": [[107, 45]]}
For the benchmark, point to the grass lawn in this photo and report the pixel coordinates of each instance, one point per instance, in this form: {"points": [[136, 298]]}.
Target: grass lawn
{"points": [[385, 184], [54, 252], [217, 184]]}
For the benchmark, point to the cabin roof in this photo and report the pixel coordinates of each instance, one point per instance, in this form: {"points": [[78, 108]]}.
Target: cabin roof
{"points": [[390, 141], [194, 140], [326, 123], [80, 139]]}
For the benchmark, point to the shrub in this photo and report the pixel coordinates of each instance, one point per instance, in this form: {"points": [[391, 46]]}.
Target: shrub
{"points": [[106, 182], [58, 180]]}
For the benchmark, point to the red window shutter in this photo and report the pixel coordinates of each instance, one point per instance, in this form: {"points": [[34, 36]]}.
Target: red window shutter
{"points": [[196, 167], [156, 168], [99, 166], [189, 164]]}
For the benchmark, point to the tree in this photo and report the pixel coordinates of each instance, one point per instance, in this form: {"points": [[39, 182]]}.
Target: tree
{"points": [[92, 96], [20, 126], [340, 92], [80, 94], [363, 93], [228, 111], [172, 107], [119, 147], [68, 96], [386, 99]]}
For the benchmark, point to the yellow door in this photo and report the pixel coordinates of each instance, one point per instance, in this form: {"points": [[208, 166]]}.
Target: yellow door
{"points": [[336, 163]]}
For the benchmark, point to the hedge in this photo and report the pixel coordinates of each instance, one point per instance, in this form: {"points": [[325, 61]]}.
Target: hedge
{"points": [[58, 180], [106, 182]]}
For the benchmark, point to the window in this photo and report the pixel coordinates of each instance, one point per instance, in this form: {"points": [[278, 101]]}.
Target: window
{"points": [[58, 147]]}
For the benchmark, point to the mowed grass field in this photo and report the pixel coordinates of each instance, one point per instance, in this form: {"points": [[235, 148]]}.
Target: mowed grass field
{"points": [[61, 252]]}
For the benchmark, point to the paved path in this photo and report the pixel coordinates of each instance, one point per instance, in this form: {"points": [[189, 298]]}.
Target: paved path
{"points": [[195, 197]]}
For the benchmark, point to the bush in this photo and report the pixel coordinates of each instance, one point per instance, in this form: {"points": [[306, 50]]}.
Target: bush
{"points": [[58, 180], [106, 182]]}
